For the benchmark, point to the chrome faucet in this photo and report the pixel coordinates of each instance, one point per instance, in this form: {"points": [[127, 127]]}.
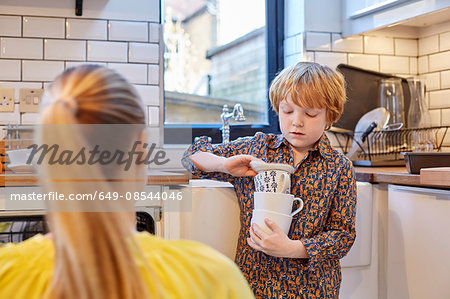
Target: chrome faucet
{"points": [[237, 114]]}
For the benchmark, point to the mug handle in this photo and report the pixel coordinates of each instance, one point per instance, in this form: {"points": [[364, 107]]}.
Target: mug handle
{"points": [[299, 208], [286, 181]]}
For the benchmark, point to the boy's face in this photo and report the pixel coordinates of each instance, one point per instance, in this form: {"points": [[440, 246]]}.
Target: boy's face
{"points": [[301, 126]]}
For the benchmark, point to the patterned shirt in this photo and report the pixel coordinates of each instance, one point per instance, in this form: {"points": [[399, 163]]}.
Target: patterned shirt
{"points": [[325, 180]]}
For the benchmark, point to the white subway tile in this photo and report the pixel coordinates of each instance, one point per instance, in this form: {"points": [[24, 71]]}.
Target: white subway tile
{"points": [[353, 44], [406, 47], [444, 41], [107, 51], [10, 117], [446, 118], [432, 81], [41, 70], [290, 45], [64, 49], [154, 30], [86, 29], [413, 65], [435, 117], [128, 31], [318, 41], [30, 118], [134, 73], [428, 45], [368, 62], [10, 26], [309, 56], [153, 116], [153, 135], [439, 62], [140, 52], [153, 74], [43, 27], [294, 58], [378, 45], [10, 69], [445, 79], [423, 64], [331, 59], [440, 99], [149, 94], [394, 64], [78, 63], [18, 85], [23, 48]]}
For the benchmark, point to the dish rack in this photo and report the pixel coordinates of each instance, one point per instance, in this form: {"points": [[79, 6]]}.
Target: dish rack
{"points": [[385, 147]]}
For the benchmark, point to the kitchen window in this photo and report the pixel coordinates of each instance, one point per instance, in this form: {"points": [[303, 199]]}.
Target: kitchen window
{"points": [[219, 52]]}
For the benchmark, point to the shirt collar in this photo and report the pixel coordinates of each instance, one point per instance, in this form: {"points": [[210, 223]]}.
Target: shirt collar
{"points": [[323, 145]]}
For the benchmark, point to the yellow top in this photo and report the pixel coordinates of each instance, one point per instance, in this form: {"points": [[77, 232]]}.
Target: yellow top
{"points": [[182, 269]]}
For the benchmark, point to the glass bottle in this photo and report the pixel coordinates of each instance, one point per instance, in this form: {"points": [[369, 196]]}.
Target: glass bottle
{"points": [[419, 116], [391, 98]]}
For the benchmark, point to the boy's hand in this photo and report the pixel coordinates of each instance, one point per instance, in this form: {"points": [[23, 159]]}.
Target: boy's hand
{"points": [[239, 165], [276, 244]]}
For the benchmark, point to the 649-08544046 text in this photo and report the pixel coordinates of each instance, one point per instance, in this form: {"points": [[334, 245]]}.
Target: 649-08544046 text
{"points": [[99, 195]]}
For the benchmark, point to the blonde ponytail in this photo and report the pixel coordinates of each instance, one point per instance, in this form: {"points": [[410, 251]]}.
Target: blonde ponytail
{"points": [[95, 253]]}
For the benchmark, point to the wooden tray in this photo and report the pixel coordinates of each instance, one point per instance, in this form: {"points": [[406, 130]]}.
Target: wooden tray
{"points": [[435, 176]]}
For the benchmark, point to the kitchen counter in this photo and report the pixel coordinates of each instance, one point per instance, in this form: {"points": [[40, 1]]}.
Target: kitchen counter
{"points": [[391, 175], [154, 177], [387, 175]]}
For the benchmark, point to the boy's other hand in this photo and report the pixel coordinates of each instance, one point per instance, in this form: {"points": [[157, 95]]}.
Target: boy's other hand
{"points": [[276, 244], [239, 165]]}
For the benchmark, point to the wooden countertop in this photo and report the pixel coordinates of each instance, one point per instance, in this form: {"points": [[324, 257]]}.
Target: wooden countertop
{"points": [[391, 175], [154, 177], [387, 175]]}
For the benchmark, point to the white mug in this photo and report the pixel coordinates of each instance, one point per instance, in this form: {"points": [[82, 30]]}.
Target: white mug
{"points": [[276, 202], [19, 156], [282, 220], [276, 181]]}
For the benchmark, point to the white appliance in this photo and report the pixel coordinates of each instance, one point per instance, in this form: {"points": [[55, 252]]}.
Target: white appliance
{"points": [[360, 265], [214, 219], [17, 225]]}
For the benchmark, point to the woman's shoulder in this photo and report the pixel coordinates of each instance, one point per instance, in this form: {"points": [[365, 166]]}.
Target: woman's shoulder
{"points": [[37, 246], [26, 267], [189, 251], [189, 261]]}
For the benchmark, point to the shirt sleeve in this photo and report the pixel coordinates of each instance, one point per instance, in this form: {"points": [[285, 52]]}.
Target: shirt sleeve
{"points": [[240, 146], [339, 233]]}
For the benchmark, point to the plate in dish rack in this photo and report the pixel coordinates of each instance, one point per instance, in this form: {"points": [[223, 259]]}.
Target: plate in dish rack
{"points": [[21, 168], [259, 166]]}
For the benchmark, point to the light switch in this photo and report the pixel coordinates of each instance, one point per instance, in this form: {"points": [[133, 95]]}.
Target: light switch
{"points": [[30, 99], [6, 99]]}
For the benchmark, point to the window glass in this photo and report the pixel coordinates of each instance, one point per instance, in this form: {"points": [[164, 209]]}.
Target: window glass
{"points": [[214, 55]]}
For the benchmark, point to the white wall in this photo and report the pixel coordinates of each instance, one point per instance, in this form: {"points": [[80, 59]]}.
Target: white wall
{"points": [[403, 51], [136, 10], [39, 39]]}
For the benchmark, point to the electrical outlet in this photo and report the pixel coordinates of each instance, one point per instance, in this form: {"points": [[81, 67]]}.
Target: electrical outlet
{"points": [[30, 99], [6, 99]]}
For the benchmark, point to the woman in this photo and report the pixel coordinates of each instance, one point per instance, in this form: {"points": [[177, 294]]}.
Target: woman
{"points": [[93, 250]]}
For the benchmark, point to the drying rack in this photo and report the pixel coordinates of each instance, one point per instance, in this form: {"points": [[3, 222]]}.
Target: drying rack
{"points": [[385, 147]]}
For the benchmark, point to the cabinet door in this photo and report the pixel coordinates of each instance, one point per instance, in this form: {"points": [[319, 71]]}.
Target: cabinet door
{"points": [[418, 263], [361, 16]]}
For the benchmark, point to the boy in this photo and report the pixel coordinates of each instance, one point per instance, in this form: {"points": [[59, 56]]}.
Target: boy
{"points": [[308, 98]]}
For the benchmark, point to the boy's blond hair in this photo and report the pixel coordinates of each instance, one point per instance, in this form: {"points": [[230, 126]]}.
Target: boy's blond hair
{"points": [[310, 85]]}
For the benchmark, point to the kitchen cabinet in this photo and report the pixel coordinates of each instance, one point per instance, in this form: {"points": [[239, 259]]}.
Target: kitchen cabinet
{"points": [[361, 16], [418, 243]]}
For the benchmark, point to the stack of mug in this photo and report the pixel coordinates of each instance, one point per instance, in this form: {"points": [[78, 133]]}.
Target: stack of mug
{"points": [[272, 198]]}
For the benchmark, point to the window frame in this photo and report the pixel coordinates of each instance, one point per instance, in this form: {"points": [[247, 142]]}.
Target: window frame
{"points": [[173, 133]]}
